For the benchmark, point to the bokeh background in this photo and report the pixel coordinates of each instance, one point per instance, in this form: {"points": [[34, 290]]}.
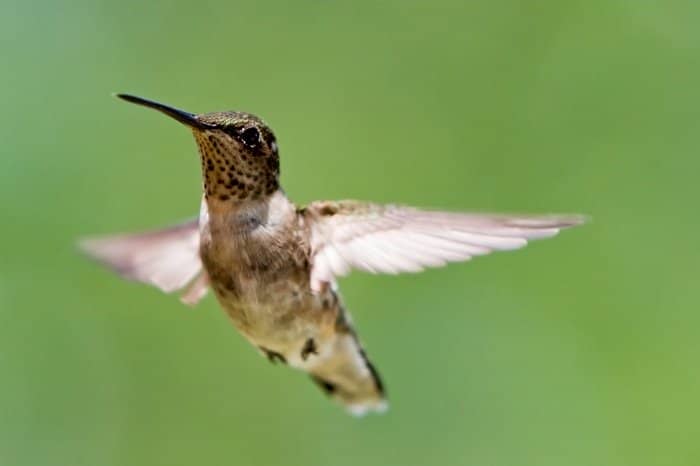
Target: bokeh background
{"points": [[581, 350]]}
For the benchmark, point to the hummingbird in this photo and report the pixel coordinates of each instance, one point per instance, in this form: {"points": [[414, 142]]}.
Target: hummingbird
{"points": [[273, 266]]}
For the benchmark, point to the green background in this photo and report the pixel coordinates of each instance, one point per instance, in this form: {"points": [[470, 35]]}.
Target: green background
{"points": [[582, 350]]}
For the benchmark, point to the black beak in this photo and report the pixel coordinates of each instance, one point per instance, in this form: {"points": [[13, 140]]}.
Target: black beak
{"points": [[189, 119]]}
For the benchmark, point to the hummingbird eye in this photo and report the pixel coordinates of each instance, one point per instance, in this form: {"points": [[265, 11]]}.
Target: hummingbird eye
{"points": [[250, 136]]}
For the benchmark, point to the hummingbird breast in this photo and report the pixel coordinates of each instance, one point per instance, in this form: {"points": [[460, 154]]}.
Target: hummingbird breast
{"points": [[257, 260]]}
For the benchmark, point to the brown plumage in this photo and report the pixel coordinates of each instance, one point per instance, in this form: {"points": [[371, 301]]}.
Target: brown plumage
{"points": [[273, 266]]}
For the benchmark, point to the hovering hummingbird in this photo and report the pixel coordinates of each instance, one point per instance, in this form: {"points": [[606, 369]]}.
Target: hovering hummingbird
{"points": [[273, 265]]}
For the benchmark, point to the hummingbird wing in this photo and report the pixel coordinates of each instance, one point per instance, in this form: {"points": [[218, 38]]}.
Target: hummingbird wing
{"points": [[167, 259], [393, 239]]}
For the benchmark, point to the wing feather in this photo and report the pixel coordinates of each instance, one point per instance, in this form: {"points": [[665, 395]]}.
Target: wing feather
{"points": [[350, 235], [167, 259]]}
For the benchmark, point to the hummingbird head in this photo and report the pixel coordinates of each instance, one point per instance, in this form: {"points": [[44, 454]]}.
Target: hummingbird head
{"points": [[239, 155]]}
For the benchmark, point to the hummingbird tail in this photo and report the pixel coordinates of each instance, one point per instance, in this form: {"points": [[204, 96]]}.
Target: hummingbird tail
{"points": [[348, 376]]}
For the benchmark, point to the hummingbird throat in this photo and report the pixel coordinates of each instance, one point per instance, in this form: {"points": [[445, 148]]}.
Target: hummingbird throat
{"points": [[233, 172]]}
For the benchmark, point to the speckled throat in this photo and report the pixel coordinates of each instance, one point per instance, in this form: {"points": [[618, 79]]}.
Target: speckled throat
{"points": [[233, 171]]}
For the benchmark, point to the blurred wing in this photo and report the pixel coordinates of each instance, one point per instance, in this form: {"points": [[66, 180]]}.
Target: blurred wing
{"points": [[167, 259], [393, 239]]}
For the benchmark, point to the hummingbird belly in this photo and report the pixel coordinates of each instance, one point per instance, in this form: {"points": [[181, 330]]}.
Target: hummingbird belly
{"points": [[269, 300], [309, 332]]}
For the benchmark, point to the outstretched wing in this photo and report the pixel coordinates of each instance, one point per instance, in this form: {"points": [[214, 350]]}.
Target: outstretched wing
{"points": [[167, 259], [393, 239]]}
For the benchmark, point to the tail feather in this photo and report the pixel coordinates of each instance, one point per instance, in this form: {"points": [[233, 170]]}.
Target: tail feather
{"points": [[347, 376]]}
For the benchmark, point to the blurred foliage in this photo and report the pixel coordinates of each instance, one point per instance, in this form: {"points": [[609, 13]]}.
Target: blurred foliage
{"points": [[581, 350]]}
